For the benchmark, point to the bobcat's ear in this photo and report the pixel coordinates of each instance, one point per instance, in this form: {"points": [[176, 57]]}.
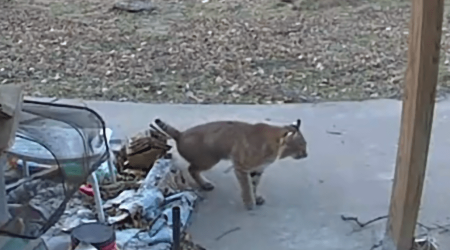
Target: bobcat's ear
{"points": [[297, 125]]}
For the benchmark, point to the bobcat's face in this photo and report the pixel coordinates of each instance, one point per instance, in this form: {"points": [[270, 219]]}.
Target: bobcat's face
{"points": [[294, 142]]}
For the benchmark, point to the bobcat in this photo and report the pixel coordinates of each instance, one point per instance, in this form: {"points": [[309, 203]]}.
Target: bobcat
{"points": [[250, 147]]}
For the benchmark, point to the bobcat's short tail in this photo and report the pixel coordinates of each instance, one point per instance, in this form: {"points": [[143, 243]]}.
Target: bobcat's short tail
{"points": [[169, 130]]}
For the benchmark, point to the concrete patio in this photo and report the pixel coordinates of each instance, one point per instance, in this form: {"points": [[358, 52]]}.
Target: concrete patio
{"points": [[349, 170]]}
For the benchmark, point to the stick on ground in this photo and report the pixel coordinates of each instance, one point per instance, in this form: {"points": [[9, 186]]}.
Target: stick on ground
{"points": [[360, 224]]}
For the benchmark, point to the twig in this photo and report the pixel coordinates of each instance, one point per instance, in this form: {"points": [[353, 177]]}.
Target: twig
{"points": [[444, 229], [334, 132], [426, 227], [360, 224], [227, 233], [377, 245]]}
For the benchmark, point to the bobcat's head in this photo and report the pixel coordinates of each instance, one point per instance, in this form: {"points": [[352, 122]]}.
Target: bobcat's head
{"points": [[294, 144]]}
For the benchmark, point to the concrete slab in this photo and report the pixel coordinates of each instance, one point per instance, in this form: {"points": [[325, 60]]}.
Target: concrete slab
{"points": [[348, 173]]}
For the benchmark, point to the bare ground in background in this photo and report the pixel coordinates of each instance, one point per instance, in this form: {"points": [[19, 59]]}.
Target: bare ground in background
{"points": [[216, 51]]}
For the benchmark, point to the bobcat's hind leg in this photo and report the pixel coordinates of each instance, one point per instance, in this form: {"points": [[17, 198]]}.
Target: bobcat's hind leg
{"points": [[199, 179]]}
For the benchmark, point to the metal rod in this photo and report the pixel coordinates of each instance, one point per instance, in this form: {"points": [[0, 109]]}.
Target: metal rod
{"points": [[25, 168], [176, 228], [111, 167], [98, 200]]}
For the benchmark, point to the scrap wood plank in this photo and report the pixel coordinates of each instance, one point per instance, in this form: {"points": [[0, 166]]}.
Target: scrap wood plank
{"points": [[11, 97], [8, 100], [416, 122]]}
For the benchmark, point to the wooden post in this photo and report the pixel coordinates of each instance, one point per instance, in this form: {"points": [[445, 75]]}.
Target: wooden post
{"points": [[416, 122], [10, 107]]}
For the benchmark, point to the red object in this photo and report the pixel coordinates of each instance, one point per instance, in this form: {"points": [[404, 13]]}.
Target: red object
{"points": [[87, 190], [111, 246]]}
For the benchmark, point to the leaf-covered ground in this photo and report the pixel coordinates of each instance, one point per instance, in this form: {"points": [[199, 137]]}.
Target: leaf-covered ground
{"points": [[216, 51]]}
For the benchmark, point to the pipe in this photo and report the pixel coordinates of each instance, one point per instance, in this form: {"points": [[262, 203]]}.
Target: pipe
{"points": [[176, 228]]}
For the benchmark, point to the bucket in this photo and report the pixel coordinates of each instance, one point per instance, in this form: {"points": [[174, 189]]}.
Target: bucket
{"points": [[96, 234]]}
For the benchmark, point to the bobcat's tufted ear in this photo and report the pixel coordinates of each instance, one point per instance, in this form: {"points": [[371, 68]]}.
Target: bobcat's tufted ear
{"points": [[299, 122]]}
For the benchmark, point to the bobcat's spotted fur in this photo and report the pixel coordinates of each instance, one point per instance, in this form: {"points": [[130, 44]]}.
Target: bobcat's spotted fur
{"points": [[250, 147]]}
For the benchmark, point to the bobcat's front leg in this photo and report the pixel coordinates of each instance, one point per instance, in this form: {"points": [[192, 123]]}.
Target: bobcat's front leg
{"points": [[247, 193], [256, 178]]}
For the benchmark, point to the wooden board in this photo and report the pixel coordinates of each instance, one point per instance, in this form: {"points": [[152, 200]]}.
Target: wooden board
{"points": [[416, 122], [10, 106]]}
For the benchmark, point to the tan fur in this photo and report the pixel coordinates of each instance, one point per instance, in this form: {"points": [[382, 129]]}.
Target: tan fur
{"points": [[250, 147], [180, 164]]}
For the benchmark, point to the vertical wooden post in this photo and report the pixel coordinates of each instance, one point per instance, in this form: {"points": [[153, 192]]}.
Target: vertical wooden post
{"points": [[10, 107], [416, 122], [4, 215]]}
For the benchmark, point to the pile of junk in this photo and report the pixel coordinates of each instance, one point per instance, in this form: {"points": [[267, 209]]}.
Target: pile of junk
{"points": [[67, 175]]}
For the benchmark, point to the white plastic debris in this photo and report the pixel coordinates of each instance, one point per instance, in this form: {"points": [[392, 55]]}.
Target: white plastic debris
{"points": [[426, 243]]}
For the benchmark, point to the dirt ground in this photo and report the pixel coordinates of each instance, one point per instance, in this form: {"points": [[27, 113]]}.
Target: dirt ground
{"points": [[210, 51]]}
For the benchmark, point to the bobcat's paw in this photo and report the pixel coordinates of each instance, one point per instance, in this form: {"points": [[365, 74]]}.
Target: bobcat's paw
{"points": [[249, 206], [249, 203], [207, 186], [260, 200]]}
